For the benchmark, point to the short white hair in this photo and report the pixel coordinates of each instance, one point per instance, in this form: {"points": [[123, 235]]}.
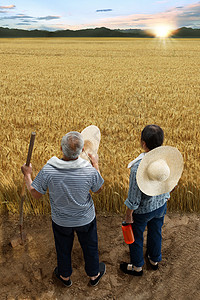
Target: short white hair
{"points": [[72, 144]]}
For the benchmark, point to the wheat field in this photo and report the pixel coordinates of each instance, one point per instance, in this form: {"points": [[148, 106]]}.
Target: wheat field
{"points": [[52, 86]]}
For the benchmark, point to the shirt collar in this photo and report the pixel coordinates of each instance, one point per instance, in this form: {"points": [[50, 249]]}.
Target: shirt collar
{"points": [[135, 160], [70, 164]]}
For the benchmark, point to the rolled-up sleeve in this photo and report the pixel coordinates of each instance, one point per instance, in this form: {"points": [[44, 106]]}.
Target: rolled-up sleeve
{"points": [[134, 193]]}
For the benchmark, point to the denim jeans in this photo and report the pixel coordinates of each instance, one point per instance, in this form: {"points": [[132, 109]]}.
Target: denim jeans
{"points": [[87, 236], [154, 222]]}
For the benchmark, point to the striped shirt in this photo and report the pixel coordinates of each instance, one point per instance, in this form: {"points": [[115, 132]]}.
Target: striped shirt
{"points": [[138, 201], [71, 202]]}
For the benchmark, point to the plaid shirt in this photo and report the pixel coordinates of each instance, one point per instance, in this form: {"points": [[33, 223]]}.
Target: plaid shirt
{"points": [[140, 202]]}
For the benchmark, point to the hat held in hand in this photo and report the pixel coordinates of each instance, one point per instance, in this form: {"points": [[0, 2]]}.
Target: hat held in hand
{"points": [[91, 136], [159, 170]]}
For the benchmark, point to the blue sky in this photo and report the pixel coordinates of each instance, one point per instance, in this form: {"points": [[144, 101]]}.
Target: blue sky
{"points": [[78, 14]]}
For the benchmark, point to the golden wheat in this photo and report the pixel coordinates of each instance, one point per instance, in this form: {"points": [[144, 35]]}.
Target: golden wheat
{"points": [[53, 86]]}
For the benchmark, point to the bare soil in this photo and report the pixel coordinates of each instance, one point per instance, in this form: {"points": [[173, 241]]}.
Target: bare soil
{"points": [[26, 271]]}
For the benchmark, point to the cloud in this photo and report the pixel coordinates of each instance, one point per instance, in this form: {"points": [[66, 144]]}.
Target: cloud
{"points": [[189, 15], [24, 23], [7, 7], [175, 17], [104, 10], [17, 17], [29, 21], [25, 17], [47, 18]]}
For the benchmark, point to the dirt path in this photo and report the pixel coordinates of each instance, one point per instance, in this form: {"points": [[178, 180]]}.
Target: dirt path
{"points": [[26, 271]]}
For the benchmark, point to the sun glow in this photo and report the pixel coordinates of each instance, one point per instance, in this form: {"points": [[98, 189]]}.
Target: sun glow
{"points": [[162, 31]]}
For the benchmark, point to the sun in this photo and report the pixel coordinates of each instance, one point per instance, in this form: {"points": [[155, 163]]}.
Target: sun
{"points": [[162, 31]]}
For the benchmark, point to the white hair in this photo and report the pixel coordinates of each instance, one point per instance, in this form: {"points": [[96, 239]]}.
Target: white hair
{"points": [[72, 144]]}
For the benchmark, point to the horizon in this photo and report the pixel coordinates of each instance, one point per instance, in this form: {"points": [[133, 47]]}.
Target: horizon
{"points": [[150, 29], [146, 15]]}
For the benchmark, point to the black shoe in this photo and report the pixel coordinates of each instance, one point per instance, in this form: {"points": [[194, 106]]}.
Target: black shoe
{"points": [[67, 283], [102, 270], [124, 268], [153, 267]]}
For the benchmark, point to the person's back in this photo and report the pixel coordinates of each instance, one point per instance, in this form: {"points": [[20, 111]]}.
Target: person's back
{"points": [[69, 184], [69, 181], [142, 203], [144, 210]]}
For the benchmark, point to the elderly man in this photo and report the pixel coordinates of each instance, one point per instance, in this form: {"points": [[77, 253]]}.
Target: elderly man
{"points": [[69, 181]]}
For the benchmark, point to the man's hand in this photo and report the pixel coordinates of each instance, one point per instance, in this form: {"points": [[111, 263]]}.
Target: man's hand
{"points": [[26, 170], [93, 159], [129, 216]]}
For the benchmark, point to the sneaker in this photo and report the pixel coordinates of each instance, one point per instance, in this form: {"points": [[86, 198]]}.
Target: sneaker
{"points": [[153, 265], [67, 283], [129, 269], [102, 270]]}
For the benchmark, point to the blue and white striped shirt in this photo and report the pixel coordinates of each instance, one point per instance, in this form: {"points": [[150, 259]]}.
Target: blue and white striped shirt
{"points": [[71, 202]]}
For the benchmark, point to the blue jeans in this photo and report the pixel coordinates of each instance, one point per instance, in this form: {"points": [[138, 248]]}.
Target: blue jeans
{"points": [[87, 236], [154, 222]]}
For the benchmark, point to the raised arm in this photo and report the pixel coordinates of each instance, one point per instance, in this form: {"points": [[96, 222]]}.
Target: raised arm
{"points": [[27, 171], [94, 161]]}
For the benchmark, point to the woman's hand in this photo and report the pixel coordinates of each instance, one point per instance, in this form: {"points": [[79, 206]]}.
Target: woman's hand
{"points": [[129, 216]]}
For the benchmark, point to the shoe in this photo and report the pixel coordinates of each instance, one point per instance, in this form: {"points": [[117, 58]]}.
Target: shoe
{"points": [[154, 266], [102, 270], [67, 283], [129, 269]]}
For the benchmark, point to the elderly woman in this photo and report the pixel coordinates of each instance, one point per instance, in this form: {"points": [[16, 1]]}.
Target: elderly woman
{"points": [[69, 181]]}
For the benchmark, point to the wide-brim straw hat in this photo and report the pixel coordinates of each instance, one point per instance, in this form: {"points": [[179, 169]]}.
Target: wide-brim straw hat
{"points": [[160, 170], [91, 136]]}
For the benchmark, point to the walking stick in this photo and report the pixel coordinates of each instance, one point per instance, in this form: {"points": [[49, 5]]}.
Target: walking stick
{"points": [[22, 238]]}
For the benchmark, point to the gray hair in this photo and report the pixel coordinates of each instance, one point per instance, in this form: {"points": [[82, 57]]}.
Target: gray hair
{"points": [[72, 144]]}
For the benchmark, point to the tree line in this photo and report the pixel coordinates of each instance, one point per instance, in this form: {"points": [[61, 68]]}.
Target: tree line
{"points": [[182, 32]]}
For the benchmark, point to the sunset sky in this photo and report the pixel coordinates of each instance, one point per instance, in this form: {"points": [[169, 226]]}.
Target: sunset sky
{"points": [[114, 14]]}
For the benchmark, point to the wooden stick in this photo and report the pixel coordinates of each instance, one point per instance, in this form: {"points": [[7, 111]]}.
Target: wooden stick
{"points": [[30, 150]]}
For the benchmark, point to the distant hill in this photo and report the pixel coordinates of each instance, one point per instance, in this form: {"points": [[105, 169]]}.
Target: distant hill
{"points": [[185, 32], [97, 32]]}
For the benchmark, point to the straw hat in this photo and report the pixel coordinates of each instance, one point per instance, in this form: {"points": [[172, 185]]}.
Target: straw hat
{"points": [[91, 136], [159, 170]]}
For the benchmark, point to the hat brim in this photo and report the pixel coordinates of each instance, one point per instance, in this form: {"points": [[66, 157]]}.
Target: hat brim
{"points": [[174, 160], [91, 136]]}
